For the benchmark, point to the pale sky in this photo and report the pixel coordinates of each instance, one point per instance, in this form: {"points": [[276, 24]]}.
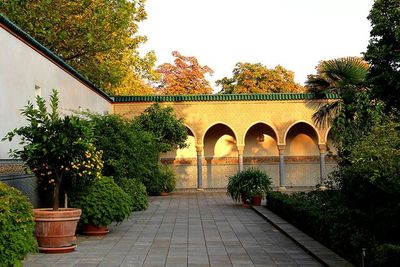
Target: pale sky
{"points": [[296, 34]]}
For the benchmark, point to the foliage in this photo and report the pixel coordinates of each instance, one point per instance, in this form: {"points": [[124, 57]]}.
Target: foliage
{"points": [[98, 38], [185, 77], [136, 191], [52, 144], [168, 177], [128, 151], [370, 179], [169, 131], [256, 78], [345, 77], [248, 183], [102, 203], [387, 255], [383, 52], [16, 226]]}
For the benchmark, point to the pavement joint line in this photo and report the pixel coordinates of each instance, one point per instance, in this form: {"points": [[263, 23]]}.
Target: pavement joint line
{"points": [[324, 258]]}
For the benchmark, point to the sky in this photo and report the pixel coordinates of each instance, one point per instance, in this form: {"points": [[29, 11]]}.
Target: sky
{"points": [[296, 34]]}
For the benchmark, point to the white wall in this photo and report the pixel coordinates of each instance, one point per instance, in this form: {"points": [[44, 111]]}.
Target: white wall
{"points": [[21, 69]]}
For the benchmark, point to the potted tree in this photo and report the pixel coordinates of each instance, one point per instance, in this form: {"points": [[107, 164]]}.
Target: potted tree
{"points": [[102, 203], [51, 144], [249, 185]]}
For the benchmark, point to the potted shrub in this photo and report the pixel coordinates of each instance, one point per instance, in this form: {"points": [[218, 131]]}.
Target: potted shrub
{"points": [[51, 144], [102, 203], [248, 184]]}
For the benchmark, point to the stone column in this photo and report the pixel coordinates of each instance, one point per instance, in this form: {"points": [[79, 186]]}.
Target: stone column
{"points": [[322, 165], [282, 173], [240, 156], [199, 150]]}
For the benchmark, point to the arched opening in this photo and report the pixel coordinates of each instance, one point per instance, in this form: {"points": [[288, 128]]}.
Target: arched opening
{"points": [[302, 155], [184, 162], [221, 155], [261, 150]]}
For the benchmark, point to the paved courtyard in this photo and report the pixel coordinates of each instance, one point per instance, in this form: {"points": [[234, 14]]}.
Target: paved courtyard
{"points": [[185, 229]]}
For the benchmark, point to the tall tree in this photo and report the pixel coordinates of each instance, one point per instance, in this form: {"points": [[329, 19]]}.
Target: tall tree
{"points": [[256, 78], [186, 76], [96, 37], [383, 52], [343, 76]]}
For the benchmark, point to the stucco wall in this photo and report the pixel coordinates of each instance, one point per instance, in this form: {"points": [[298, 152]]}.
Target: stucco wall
{"points": [[22, 69]]}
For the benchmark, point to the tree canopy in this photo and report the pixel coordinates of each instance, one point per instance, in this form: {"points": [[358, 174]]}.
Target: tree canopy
{"points": [[98, 38], [383, 52], [343, 76], [185, 77], [249, 78]]}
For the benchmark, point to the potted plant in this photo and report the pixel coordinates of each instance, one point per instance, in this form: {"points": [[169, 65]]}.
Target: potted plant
{"points": [[51, 144], [102, 203], [248, 184]]}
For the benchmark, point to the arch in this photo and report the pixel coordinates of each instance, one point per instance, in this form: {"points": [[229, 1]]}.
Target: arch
{"points": [[306, 122], [301, 139], [190, 131], [186, 152], [260, 139], [330, 146], [261, 122], [216, 123]]}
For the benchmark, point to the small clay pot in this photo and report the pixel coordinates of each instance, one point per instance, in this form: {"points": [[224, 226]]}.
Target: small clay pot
{"points": [[93, 230]]}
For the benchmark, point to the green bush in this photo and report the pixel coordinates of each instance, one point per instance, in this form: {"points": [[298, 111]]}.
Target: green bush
{"points": [[16, 226], [248, 183], [322, 215], [137, 191], [102, 203], [387, 255], [168, 177], [128, 151]]}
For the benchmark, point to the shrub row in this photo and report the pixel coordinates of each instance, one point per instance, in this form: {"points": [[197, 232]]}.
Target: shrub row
{"points": [[322, 215]]}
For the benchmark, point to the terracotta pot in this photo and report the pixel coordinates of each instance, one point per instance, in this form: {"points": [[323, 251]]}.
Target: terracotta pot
{"points": [[256, 200], [93, 230], [55, 230], [164, 194]]}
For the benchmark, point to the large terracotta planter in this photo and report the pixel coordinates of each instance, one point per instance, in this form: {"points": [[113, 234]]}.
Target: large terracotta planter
{"points": [[93, 230], [55, 230], [256, 200]]}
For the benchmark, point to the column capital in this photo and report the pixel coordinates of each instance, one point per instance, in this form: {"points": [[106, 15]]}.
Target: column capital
{"points": [[322, 148], [240, 148], [281, 149], [199, 148]]}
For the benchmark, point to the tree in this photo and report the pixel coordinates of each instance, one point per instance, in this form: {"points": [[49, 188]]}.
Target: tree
{"points": [[98, 38], [383, 52], [256, 78], [169, 131], [184, 77], [58, 150], [345, 77]]}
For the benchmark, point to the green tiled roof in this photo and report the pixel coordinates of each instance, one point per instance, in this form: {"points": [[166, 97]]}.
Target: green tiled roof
{"points": [[227, 97], [14, 28]]}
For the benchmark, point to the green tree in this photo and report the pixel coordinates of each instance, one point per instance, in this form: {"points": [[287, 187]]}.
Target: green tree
{"points": [[98, 38], [256, 78], [184, 77], [169, 131], [52, 146], [345, 77], [128, 151], [383, 52]]}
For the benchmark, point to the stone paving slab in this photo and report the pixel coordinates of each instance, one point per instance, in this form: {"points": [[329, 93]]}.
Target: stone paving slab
{"points": [[185, 229], [324, 255]]}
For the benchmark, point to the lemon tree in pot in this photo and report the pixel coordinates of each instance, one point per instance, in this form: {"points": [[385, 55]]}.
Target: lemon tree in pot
{"points": [[51, 145], [102, 203]]}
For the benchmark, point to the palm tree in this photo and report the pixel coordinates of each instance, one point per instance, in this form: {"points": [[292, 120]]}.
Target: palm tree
{"points": [[344, 77]]}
